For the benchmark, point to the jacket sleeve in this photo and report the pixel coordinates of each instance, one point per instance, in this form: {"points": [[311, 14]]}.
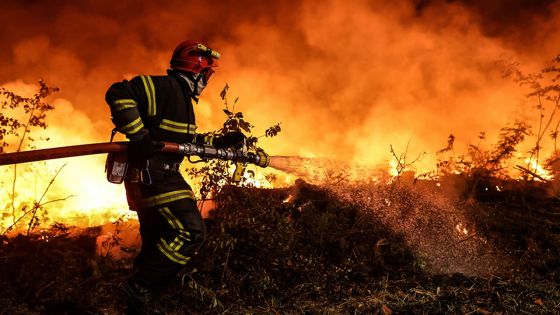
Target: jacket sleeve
{"points": [[130, 103]]}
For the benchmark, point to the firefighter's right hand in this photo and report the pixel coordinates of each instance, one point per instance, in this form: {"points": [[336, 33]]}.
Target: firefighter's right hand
{"points": [[144, 148]]}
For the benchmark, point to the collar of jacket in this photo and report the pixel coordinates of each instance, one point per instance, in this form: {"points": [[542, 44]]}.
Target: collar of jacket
{"points": [[188, 85]]}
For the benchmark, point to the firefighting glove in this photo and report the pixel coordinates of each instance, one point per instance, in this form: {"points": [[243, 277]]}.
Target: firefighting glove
{"points": [[229, 140], [144, 148]]}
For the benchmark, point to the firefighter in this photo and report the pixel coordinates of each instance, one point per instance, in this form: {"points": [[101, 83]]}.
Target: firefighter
{"points": [[149, 110]]}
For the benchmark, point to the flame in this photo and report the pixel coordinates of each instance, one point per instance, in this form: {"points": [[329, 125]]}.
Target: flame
{"points": [[288, 199], [255, 178], [347, 80], [393, 168], [461, 228], [79, 194], [539, 170]]}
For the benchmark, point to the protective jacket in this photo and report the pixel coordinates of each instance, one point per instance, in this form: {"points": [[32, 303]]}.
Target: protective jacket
{"points": [[171, 226], [160, 105]]}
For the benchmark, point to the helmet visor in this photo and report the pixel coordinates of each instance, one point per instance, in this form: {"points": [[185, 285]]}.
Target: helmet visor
{"points": [[206, 74]]}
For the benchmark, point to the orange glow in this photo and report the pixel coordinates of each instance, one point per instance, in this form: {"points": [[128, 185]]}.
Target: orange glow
{"points": [[288, 199], [539, 170], [461, 228], [345, 79]]}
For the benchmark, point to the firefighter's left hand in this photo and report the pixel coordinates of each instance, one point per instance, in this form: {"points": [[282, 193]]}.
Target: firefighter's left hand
{"points": [[230, 139]]}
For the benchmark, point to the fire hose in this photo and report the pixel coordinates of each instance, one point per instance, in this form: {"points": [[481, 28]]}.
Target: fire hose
{"points": [[205, 152]]}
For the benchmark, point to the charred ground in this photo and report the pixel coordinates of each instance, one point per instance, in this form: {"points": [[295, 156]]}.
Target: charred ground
{"points": [[317, 253]]}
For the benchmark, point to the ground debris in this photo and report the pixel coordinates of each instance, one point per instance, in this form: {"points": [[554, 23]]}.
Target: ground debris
{"points": [[318, 253]]}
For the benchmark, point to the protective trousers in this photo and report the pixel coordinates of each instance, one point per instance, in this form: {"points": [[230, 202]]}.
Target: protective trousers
{"points": [[171, 227]]}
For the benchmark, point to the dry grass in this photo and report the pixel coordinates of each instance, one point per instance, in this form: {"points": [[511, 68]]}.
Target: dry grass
{"points": [[318, 254]]}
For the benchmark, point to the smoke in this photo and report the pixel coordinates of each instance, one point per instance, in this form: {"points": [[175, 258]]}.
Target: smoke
{"points": [[346, 80], [516, 22]]}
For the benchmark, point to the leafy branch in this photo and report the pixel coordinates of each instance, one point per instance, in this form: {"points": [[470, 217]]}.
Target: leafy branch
{"points": [[545, 92], [216, 173], [35, 108]]}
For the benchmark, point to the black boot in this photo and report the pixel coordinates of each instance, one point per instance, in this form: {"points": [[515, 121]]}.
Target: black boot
{"points": [[141, 300]]}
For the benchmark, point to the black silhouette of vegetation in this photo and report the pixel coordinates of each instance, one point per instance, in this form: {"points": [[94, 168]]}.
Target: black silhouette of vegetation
{"points": [[33, 111], [215, 174]]}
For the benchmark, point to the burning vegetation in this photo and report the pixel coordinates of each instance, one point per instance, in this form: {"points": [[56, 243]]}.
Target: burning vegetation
{"points": [[364, 208], [477, 234]]}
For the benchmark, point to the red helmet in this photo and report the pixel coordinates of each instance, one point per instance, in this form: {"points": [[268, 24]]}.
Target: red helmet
{"points": [[193, 56]]}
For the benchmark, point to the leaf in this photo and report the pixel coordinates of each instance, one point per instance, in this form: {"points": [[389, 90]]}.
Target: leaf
{"points": [[251, 140], [245, 126], [223, 93], [232, 125], [273, 131]]}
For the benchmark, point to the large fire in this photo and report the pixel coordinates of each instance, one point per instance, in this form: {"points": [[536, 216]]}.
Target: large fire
{"points": [[345, 79]]}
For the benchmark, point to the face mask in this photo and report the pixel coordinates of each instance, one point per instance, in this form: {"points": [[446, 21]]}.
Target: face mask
{"points": [[199, 83], [195, 83]]}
